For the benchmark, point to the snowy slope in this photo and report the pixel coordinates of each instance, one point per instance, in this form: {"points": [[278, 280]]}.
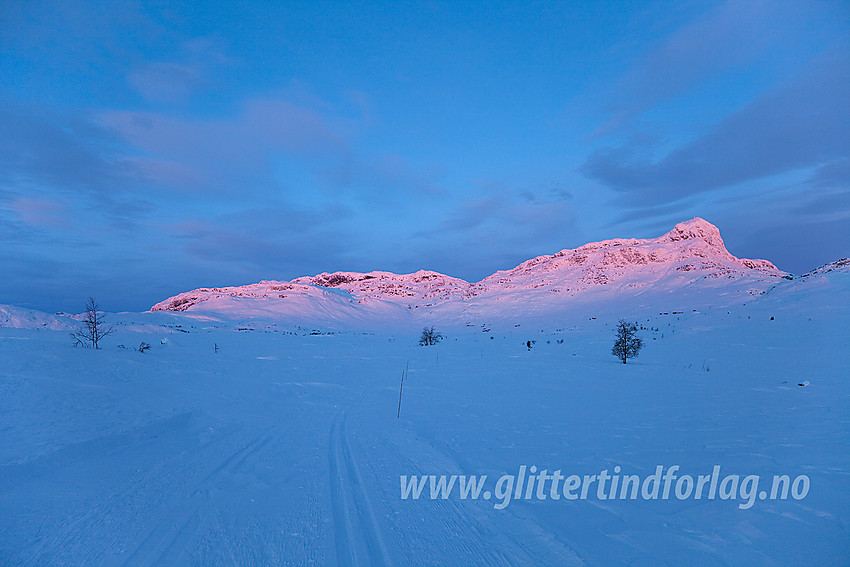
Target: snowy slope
{"points": [[690, 264], [827, 283], [23, 318], [239, 443]]}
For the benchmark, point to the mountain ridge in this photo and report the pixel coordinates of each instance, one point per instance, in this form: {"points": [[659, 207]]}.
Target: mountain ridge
{"points": [[688, 259]]}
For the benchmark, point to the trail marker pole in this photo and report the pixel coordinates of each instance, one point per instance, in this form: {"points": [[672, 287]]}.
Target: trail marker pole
{"points": [[400, 388]]}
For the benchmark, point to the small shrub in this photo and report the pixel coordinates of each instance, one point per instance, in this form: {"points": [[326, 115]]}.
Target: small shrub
{"points": [[429, 337]]}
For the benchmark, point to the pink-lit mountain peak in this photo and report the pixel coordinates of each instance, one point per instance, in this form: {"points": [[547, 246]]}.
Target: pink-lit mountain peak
{"points": [[690, 258], [694, 245]]}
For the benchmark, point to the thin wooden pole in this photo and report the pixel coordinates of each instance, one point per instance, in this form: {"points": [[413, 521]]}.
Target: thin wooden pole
{"points": [[398, 415], [400, 388]]}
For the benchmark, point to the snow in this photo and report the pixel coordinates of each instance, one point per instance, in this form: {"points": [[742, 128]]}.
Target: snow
{"points": [[23, 318], [284, 448], [688, 262]]}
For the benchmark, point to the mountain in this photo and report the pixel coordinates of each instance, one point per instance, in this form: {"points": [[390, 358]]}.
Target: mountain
{"points": [[685, 268]]}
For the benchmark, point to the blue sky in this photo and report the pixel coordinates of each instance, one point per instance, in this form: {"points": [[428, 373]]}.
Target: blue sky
{"points": [[148, 148]]}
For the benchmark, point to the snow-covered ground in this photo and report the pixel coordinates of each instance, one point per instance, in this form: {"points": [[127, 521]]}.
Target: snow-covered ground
{"points": [[284, 447]]}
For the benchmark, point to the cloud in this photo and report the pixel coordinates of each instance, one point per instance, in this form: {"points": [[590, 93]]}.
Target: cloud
{"points": [[232, 157], [262, 125], [47, 155], [38, 146], [495, 231], [801, 124], [167, 82], [273, 242], [731, 36], [194, 69], [40, 212], [802, 245], [270, 146], [277, 188], [832, 174]]}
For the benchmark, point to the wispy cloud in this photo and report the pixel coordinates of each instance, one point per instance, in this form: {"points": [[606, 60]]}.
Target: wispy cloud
{"points": [[269, 147], [499, 229], [728, 38], [802, 123], [43, 147], [40, 212], [182, 151], [194, 69], [226, 154], [167, 82]]}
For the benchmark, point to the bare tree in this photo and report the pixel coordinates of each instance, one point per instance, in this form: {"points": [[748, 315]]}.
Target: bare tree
{"points": [[93, 329], [628, 344], [429, 337]]}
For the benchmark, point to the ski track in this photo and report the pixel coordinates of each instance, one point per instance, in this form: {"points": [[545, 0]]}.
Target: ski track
{"points": [[358, 538], [180, 528], [74, 534], [459, 529], [228, 466], [463, 532], [186, 511]]}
